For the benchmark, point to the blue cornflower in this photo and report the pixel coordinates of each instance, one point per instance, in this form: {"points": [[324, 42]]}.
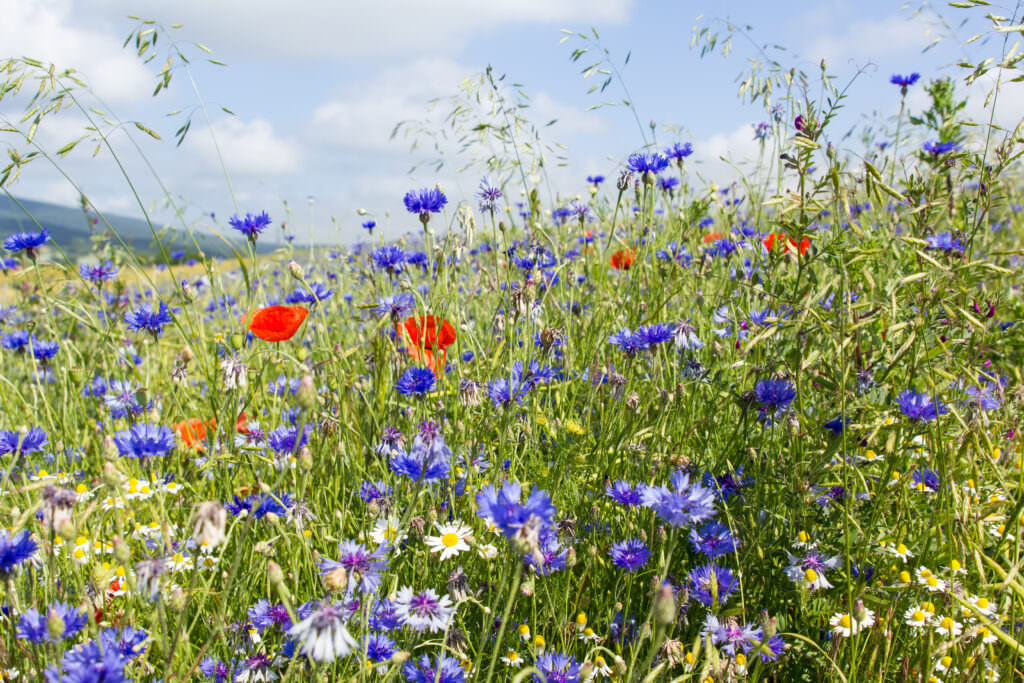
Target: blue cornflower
{"points": [[397, 307], [644, 163], [390, 258], [837, 424], [629, 342], [288, 439], [443, 669], [488, 195], [682, 504], [145, 319], [28, 242], [579, 211], [550, 555], [145, 441], [364, 568], [678, 152], [774, 395], [557, 668], [919, 407], [502, 507], [624, 494], [668, 184], [15, 548], [44, 350], [904, 81], [940, 148], [260, 506], [413, 465], [926, 479], [761, 130], [711, 584], [731, 636], [33, 626], [89, 663], [425, 202], [371, 491], [385, 616], [251, 226], [215, 669], [945, 241], [416, 381], [514, 388], [631, 554], [314, 295], [99, 273], [370, 225], [712, 539], [127, 643], [264, 615], [16, 341], [13, 442], [595, 180], [651, 335], [380, 647]]}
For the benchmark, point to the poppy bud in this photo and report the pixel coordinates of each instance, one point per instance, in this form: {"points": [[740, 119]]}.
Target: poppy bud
{"points": [[306, 459], [176, 603], [295, 270], [305, 395], [274, 574]]}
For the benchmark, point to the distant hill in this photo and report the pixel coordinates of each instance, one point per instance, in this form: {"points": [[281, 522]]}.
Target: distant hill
{"points": [[69, 228]]}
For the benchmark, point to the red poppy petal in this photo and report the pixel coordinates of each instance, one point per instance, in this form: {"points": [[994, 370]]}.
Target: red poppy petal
{"points": [[277, 323]]}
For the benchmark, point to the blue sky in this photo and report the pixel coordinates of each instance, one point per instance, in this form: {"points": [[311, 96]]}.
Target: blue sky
{"points": [[317, 86]]}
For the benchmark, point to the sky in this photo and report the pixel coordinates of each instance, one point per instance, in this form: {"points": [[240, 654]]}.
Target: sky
{"points": [[316, 87]]}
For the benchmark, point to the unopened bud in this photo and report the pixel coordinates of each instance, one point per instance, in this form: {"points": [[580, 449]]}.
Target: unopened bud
{"points": [[305, 395], [274, 574], [587, 671], [295, 270], [620, 666], [860, 612], [188, 293], [664, 606], [187, 355], [122, 553], [110, 452], [336, 580], [306, 459], [55, 625], [570, 558], [110, 476], [526, 587], [177, 601], [66, 530], [400, 657]]}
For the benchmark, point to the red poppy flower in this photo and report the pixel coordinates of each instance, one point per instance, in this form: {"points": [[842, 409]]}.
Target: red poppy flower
{"points": [[622, 260], [192, 431], [777, 238], [712, 237], [425, 337], [277, 323]]}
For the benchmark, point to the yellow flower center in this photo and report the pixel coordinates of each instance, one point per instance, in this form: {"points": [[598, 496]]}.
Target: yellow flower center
{"points": [[905, 576], [982, 603], [929, 607], [947, 623], [983, 632], [581, 619], [803, 537], [450, 539], [901, 549], [741, 659], [845, 621], [811, 576], [918, 615], [946, 661], [524, 630], [932, 581], [512, 655], [954, 565]]}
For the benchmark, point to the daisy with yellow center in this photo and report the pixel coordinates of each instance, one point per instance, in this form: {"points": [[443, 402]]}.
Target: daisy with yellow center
{"points": [[899, 550], [512, 658], [452, 538], [386, 532], [916, 617], [949, 627], [524, 632], [487, 551], [846, 625], [601, 667]]}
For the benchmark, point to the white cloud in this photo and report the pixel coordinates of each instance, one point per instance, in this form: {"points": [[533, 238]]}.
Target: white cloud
{"points": [[738, 146], [44, 30], [247, 148], [864, 39], [361, 29]]}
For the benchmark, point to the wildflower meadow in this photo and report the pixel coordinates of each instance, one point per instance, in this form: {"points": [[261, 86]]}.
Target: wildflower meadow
{"points": [[644, 428]]}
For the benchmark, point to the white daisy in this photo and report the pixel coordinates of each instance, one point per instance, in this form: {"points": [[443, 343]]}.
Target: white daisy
{"points": [[323, 635], [452, 538], [385, 531]]}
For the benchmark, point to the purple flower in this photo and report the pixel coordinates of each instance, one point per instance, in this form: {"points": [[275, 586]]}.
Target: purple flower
{"points": [[33, 626], [631, 554], [940, 148], [13, 442], [730, 636], [678, 151], [397, 307], [774, 395], [488, 195], [682, 504], [919, 407], [380, 648], [945, 241], [416, 381], [251, 226], [595, 180], [363, 567], [264, 615], [712, 540], [904, 81], [647, 163], [29, 242], [145, 319], [557, 668], [145, 441], [390, 258], [711, 585], [504, 509], [628, 341], [99, 273], [425, 202], [443, 669], [624, 494]]}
